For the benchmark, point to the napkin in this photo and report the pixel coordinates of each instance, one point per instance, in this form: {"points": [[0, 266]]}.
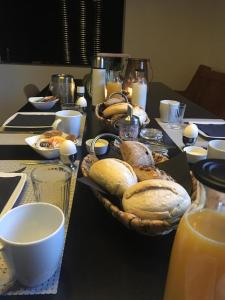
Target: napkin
{"points": [[7, 186], [213, 130], [30, 120]]}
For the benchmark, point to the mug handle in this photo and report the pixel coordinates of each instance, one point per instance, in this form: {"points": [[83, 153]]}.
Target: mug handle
{"points": [[56, 123]]}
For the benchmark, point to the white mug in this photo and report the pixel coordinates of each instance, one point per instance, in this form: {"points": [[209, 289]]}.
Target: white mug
{"points": [[32, 238], [167, 110], [68, 121], [216, 149]]}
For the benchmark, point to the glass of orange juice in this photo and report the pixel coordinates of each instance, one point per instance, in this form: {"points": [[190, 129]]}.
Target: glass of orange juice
{"points": [[113, 82], [197, 262]]}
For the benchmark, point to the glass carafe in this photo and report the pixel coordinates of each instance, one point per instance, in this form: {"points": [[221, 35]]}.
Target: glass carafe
{"points": [[137, 76], [197, 262]]}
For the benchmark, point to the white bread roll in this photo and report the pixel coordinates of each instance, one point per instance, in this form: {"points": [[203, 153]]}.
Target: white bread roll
{"points": [[114, 175], [140, 113], [156, 199], [119, 108]]}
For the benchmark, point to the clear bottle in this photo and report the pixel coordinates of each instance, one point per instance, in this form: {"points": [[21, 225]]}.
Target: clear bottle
{"points": [[138, 74], [81, 102], [98, 78]]}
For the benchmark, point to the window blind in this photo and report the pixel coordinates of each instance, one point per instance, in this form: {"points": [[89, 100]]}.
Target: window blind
{"points": [[59, 31]]}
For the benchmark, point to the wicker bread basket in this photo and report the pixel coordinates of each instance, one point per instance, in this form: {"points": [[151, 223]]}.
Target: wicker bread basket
{"points": [[111, 122], [131, 221]]}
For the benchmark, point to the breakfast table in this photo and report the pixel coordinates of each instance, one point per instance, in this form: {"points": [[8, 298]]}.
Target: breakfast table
{"points": [[103, 259]]}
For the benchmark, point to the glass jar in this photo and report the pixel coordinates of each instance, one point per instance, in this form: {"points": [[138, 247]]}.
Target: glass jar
{"points": [[197, 262], [136, 80]]}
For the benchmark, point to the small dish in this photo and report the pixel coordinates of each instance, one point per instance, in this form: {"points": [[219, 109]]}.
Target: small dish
{"points": [[42, 105], [195, 153], [101, 146], [45, 152], [151, 134]]}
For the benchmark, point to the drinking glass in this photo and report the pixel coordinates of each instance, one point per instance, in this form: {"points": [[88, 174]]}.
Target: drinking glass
{"points": [[113, 82], [197, 262], [63, 87], [178, 115], [51, 184]]}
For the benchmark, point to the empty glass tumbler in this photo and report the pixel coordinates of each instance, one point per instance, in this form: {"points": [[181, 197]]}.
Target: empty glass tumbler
{"points": [[51, 183]]}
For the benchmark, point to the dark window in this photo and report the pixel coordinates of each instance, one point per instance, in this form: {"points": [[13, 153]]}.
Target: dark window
{"points": [[59, 31]]}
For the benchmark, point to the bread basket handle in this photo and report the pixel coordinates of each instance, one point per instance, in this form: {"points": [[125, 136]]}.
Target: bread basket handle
{"points": [[92, 150], [121, 94]]}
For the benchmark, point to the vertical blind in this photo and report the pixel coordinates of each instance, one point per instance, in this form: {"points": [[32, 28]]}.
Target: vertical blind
{"points": [[59, 31]]}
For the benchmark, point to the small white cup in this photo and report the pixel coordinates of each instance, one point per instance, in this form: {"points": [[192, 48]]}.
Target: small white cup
{"points": [[32, 236], [68, 121], [167, 110], [195, 153], [216, 149]]}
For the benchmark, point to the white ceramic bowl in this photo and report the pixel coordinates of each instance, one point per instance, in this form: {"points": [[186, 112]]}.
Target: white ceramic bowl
{"points": [[46, 153], [195, 153], [42, 105], [101, 146]]}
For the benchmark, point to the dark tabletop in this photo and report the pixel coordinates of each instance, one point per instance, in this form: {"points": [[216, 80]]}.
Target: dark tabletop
{"points": [[102, 259]]}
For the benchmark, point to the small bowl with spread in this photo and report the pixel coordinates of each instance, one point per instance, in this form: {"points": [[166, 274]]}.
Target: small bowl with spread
{"points": [[43, 103], [195, 153], [101, 146]]}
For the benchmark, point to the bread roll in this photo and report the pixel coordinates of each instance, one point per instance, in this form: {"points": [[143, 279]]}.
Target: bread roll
{"points": [[113, 101], [114, 175], [140, 113], [136, 154], [146, 173], [119, 108], [156, 199]]}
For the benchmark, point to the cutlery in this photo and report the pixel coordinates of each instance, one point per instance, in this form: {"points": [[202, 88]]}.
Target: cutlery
{"points": [[40, 162]]}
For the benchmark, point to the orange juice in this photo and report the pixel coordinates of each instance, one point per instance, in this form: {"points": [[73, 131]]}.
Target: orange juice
{"points": [[113, 87], [197, 263]]}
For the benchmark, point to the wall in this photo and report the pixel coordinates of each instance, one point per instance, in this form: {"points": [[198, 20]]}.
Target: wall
{"points": [[177, 35], [16, 79]]}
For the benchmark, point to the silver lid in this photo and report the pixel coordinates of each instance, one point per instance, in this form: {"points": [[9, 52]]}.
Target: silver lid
{"points": [[98, 62]]}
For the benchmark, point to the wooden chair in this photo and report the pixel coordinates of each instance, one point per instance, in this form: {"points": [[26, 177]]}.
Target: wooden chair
{"points": [[207, 88]]}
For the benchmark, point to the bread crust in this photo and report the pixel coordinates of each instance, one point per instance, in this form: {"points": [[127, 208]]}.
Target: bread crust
{"points": [[136, 154], [146, 173], [113, 175], [156, 199]]}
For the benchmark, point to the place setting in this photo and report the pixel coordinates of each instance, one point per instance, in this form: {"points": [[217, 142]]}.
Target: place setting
{"points": [[41, 190]]}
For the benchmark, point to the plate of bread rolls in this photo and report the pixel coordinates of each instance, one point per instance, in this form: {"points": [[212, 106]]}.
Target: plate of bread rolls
{"points": [[115, 108], [148, 200]]}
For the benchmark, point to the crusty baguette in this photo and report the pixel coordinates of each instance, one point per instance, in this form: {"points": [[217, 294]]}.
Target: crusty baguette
{"points": [[156, 199], [114, 175], [136, 154], [119, 108]]}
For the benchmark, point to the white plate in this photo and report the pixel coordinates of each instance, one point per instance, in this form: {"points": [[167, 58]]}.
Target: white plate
{"points": [[46, 153], [15, 194], [5, 125]]}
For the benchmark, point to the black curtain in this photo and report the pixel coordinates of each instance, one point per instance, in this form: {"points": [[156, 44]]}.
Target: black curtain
{"points": [[59, 31]]}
